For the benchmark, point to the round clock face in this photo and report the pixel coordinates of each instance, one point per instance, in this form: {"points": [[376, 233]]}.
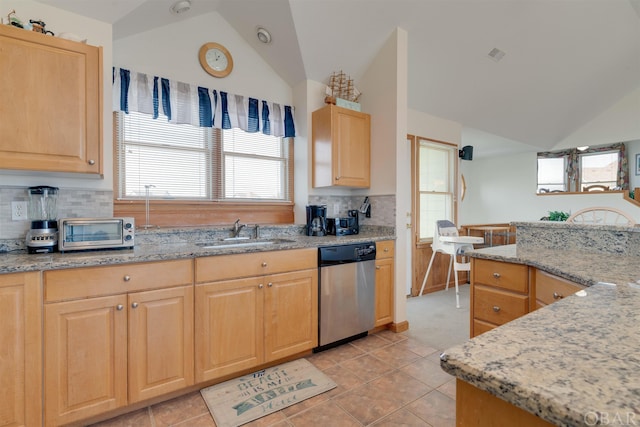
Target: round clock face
{"points": [[215, 59]]}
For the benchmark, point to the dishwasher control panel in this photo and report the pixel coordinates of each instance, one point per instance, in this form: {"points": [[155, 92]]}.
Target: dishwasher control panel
{"points": [[344, 254]]}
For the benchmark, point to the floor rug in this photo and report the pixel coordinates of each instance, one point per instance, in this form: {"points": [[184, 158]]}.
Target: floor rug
{"points": [[244, 399]]}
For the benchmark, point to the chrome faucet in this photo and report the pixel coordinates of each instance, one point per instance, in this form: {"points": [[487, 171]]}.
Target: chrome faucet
{"points": [[237, 227]]}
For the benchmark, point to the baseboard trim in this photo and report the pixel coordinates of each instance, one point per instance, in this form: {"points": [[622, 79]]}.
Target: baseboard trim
{"points": [[399, 327]]}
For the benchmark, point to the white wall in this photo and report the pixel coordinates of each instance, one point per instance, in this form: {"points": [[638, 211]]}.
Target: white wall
{"points": [[97, 34], [503, 188], [428, 126], [172, 52], [384, 96]]}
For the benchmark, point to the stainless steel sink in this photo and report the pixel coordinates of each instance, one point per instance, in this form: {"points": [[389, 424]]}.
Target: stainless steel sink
{"points": [[239, 242]]}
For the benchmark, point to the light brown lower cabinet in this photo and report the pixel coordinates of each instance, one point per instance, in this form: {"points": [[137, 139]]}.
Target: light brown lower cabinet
{"points": [[106, 352], [385, 280], [21, 350], [245, 322]]}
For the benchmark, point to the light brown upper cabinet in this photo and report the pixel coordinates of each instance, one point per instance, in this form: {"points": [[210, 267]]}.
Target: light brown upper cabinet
{"points": [[50, 103], [341, 147]]}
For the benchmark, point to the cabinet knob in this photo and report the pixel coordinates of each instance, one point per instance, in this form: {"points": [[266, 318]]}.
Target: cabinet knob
{"points": [[260, 286], [377, 267], [134, 305], [496, 275], [119, 307], [270, 285], [92, 162], [338, 178], [386, 249], [127, 278], [557, 295], [264, 264], [496, 308]]}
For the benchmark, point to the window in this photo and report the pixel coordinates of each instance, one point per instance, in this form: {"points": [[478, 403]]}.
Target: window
{"points": [[578, 168], [598, 168], [551, 174], [185, 162], [436, 164]]}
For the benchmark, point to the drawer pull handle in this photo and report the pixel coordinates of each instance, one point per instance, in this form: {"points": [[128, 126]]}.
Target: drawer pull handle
{"points": [[119, 307], [264, 264], [270, 284], [127, 278], [557, 295], [134, 305], [260, 286], [496, 308], [496, 275]]}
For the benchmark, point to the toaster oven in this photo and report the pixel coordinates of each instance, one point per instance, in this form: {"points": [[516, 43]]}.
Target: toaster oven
{"points": [[77, 234]]}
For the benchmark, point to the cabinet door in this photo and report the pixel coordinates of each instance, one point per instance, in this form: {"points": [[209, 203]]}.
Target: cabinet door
{"points": [[86, 358], [229, 327], [351, 155], [291, 313], [51, 103], [160, 342], [21, 350], [384, 291]]}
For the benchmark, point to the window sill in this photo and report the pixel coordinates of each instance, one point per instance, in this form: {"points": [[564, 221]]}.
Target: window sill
{"points": [[172, 213]]}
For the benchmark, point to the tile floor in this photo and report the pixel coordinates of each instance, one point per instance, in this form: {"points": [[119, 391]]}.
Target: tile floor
{"points": [[385, 379]]}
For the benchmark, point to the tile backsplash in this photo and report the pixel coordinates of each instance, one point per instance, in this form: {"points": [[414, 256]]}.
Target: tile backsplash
{"points": [[383, 208], [72, 203]]}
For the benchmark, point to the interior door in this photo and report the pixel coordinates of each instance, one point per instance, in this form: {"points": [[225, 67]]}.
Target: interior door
{"points": [[434, 197]]}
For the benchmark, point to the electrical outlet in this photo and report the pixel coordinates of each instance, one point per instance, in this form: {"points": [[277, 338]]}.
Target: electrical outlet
{"points": [[19, 211]]}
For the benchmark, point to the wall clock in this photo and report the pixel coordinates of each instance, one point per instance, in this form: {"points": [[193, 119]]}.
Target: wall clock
{"points": [[215, 59]]}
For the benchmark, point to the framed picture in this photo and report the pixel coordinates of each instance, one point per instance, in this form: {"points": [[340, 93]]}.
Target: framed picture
{"points": [[637, 164]]}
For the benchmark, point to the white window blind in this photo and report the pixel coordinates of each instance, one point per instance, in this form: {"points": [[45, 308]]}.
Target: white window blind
{"points": [[186, 162], [436, 178]]}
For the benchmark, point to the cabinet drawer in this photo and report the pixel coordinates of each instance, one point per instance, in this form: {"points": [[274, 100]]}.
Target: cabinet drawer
{"points": [[497, 306], [480, 327], [89, 282], [209, 269], [384, 249], [550, 288], [505, 275]]}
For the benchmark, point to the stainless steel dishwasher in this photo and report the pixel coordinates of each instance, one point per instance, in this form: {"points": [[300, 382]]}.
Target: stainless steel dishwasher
{"points": [[347, 292]]}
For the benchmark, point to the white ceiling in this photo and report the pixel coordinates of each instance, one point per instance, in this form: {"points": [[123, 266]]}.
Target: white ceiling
{"points": [[566, 61]]}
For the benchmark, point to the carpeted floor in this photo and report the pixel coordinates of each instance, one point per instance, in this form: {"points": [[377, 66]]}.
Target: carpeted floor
{"points": [[434, 319]]}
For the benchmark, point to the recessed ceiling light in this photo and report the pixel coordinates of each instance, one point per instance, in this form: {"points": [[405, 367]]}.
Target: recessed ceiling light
{"points": [[263, 35], [180, 7], [496, 54]]}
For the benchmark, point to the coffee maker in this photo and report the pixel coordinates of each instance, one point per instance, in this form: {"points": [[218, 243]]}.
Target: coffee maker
{"points": [[43, 212], [316, 220]]}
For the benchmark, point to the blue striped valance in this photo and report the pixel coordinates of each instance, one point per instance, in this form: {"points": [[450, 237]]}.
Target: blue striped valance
{"points": [[199, 106]]}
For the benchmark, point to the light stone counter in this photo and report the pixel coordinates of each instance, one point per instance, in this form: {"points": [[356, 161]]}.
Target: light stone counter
{"points": [[171, 244], [577, 361]]}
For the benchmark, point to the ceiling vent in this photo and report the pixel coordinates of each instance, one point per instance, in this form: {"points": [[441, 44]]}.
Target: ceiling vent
{"points": [[496, 54]]}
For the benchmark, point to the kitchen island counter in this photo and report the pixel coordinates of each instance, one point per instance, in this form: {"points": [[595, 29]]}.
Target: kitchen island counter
{"points": [[574, 362]]}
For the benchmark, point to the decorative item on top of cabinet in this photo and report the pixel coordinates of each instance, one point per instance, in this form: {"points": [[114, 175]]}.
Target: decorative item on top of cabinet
{"points": [[254, 308], [549, 288], [384, 282], [116, 335], [50, 103], [341, 141], [21, 333], [499, 293]]}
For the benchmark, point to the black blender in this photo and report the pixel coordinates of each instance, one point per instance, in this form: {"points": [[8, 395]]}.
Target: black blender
{"points": [[43, 211]]}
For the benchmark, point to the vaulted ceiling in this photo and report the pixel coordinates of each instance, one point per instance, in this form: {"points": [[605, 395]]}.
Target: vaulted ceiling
{"points": [[565, 62]]}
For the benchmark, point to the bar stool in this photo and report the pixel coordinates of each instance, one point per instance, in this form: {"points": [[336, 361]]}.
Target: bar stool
{"points": [[446, 240]]}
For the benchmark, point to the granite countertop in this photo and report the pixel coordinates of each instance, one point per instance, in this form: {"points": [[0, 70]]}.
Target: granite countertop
{"points": [[170, 248], [574, 362]]}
